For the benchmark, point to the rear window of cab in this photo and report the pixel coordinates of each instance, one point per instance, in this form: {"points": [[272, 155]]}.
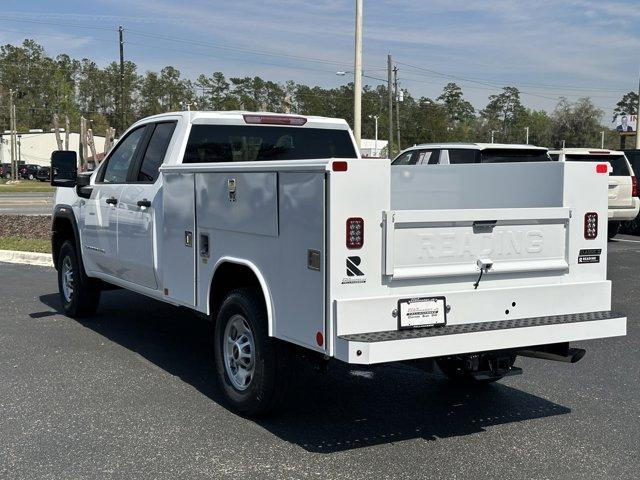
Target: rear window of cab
{"points": [[245, 143]]}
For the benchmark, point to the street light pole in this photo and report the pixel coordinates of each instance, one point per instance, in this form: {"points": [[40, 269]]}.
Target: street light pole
{"points": [[357, 77], [390, 107], [527, 129], [492, 131], [602, 139], [638, 117]]}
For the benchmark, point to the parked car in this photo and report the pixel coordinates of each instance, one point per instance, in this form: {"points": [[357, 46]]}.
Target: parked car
{"points": [[456, 153], [5, 171], [296, 248], [623, 185], [44, 174], [29, 171]]}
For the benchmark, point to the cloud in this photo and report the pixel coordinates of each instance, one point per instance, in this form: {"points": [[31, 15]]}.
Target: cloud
{"points": [[578, 43]]}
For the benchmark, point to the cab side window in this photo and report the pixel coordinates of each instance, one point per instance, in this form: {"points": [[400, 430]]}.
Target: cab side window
{"points": [[119, 162], [155, 152], [461, 155], [427, 157]]}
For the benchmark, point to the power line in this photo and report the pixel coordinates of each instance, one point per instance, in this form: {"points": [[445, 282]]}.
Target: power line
{"points": [[493, 86]]}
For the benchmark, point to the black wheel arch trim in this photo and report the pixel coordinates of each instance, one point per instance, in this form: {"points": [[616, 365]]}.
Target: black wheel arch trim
{"points": [[63, 211]]}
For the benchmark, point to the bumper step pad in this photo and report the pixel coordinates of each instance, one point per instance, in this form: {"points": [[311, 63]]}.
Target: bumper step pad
{"points": [[398, 345], [478, 327]]}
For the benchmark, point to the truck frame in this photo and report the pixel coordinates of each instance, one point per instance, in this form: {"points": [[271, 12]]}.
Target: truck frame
{"points": [[335, 256]]}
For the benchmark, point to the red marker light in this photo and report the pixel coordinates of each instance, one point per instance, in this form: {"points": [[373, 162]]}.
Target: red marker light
{"points": [[339, 166], [602, 168], [319, 339]]}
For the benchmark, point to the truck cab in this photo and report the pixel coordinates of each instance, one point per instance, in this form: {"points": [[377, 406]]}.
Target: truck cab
{"points": [[294, 246]]}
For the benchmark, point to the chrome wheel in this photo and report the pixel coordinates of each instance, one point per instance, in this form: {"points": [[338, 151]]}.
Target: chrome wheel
{"points": [[239, 352], [67, 276]]}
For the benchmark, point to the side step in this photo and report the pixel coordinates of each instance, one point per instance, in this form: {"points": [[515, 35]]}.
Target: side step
{"points": [[398, 345]]}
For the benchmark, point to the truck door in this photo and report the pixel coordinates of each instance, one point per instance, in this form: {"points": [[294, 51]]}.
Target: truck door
{"points": [[137, 209], [99, 227]]}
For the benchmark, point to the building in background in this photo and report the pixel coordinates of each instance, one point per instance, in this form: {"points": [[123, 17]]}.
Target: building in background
{"points": [[35, 146], [371, 148]]}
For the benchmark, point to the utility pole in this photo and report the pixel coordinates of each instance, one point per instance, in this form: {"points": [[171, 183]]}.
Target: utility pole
{"points": [[123, 118], [602, 139], [357, 77], [395, 87], [390, 91], [492, 132], [527, 130]]}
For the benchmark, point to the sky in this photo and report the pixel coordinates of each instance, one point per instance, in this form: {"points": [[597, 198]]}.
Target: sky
{"points": [[546, 48]]}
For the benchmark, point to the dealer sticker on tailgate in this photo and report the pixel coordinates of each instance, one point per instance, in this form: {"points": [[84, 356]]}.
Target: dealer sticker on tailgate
{"points": [[422, 312]]}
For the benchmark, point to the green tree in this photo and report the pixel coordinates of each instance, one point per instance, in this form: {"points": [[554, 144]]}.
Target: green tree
{"points": [[502, 114], [215, 91], [457, 109], [577, 123], [628, 105]]}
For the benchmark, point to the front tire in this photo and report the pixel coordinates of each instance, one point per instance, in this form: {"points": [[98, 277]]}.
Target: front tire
{"points": [[80, 295], [253, 368]]}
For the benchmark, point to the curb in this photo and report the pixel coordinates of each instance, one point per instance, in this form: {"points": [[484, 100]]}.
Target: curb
{"points": [[26, 258]]}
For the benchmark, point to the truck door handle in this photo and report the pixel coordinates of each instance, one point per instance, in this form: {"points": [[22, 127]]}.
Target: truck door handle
{"points": [[144, 203], [111, 200]]}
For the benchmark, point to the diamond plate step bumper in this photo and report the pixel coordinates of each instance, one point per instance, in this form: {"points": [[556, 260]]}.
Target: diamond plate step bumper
{"points": [[397, 345]]}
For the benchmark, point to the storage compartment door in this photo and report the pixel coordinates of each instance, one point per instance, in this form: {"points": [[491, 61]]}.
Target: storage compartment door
{"points": [[178, 238]]}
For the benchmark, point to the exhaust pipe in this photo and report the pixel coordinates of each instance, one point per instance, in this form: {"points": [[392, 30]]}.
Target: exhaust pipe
{"points": [[572, 355]]}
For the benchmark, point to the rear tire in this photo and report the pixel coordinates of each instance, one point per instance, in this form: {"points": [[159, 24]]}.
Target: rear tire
{"points": [[79, 294], [614, 228], [253, 369]]}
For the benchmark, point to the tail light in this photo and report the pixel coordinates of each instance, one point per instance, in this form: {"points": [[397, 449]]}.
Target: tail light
{"points": [[634, 187], [590, 225], [355, 232]]}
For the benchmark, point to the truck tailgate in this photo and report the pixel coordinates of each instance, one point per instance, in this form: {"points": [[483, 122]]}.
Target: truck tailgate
{"points": [[438, 243]]}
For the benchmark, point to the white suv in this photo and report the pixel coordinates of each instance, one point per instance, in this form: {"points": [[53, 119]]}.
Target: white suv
{"points": [[456, 153], [623, 185]]}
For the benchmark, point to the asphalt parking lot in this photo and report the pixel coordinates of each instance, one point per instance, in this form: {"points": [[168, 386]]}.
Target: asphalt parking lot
{"points": [[129, 394]]}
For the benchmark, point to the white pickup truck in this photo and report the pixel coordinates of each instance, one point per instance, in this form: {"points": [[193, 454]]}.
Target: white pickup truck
{"points": [[294, 246]]}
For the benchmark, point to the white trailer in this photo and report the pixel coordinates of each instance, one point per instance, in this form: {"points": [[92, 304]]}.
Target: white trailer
{"points": [[274, 227]]}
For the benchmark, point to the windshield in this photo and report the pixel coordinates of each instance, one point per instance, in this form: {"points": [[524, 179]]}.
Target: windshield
{"points": [[240, 143], [618, 162], [513, 155]]}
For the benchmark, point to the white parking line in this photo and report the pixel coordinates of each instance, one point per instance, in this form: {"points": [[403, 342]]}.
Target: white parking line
{"points": [[625, 240]]}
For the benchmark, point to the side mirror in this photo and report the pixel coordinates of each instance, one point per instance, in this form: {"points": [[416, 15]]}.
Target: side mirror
{"points": [[64, 168]]}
